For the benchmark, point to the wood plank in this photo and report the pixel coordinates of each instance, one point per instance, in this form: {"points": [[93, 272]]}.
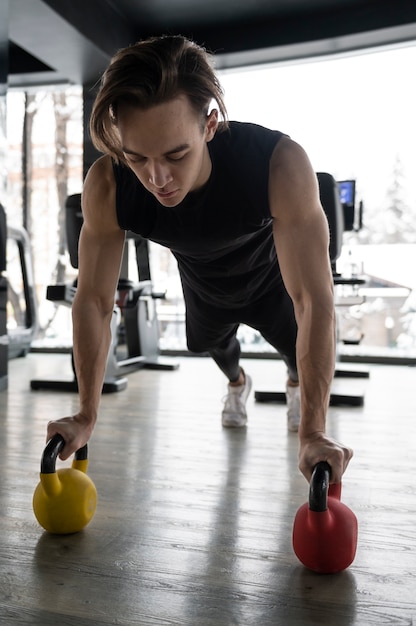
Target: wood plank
{"points": [[193, 525]]}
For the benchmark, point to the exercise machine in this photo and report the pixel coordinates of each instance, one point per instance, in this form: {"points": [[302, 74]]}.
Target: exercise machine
{"points": [[339, 214], [134, 325], [18, 308], [4, 341], [21, 293]]}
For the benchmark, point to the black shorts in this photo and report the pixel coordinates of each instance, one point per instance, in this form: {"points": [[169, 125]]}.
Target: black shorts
{"points": [[273, 316]]}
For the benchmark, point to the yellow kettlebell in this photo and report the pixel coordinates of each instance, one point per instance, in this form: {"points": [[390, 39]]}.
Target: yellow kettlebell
{"points": [[65, 500]]}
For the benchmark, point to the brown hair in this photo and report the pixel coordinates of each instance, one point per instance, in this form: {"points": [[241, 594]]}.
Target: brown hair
{"points": [[148, 73]]}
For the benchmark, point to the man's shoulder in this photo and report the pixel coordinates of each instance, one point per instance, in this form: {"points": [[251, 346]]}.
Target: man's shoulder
{"points": [[99, 182], [247, 134], [236, 128]]}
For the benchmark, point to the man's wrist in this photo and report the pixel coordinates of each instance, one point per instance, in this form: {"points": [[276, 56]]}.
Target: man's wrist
{"points": [[310, 434]]}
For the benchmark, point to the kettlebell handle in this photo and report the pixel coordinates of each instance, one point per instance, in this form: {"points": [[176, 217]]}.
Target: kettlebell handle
{"points": [[51, 451], [319, 485]]}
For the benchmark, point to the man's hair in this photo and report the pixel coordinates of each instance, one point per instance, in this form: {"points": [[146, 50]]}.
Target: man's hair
{"points": [[148, 73]]}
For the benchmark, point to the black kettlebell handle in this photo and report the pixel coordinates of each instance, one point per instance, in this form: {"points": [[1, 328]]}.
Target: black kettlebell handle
{"points": [[318, 489], [51, 451]]}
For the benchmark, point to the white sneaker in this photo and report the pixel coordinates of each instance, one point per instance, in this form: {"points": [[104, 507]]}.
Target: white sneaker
{"points": [[293, 407], [234, 414]]}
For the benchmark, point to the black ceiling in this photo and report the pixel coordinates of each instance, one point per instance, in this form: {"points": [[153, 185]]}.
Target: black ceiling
{"points": [[54, 41]]}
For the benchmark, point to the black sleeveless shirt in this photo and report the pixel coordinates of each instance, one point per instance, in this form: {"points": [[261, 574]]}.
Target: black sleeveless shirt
{"points": [[221, 235]]}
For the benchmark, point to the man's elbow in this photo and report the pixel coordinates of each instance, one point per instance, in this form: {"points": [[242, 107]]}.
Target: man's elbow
{"points": [[93, 305]]}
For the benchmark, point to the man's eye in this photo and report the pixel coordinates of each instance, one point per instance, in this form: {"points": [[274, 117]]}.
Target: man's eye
{"points": [[177, 157], [134, 159]]}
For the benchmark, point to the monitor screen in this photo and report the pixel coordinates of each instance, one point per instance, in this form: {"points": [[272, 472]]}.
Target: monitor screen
{"points": [[347, 198]]}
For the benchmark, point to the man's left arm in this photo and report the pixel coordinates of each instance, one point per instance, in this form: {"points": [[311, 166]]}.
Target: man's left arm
{"points": [[301, 237]]}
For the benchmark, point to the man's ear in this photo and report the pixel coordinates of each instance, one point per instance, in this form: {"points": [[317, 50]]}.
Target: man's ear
{"points": [[211, 125]]}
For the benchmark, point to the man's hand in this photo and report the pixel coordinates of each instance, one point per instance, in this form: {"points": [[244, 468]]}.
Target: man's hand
{"points": [[318, 447], [76, 430]]}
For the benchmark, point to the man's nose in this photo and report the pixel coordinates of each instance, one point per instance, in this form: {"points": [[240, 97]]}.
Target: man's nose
{"points": [[159, 175]]}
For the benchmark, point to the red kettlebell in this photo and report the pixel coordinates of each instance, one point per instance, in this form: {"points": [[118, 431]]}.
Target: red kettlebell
{"points": [[325, 530]]}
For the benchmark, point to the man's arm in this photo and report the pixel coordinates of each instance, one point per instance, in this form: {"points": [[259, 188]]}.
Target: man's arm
{"points": [[301, 237], [100, 251]]}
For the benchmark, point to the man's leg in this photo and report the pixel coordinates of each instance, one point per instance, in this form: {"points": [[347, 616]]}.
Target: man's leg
{"points": [[292, 389], [211, 330], [227, 357], [274, 318]]}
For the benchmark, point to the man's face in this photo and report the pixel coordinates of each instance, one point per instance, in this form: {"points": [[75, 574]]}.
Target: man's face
{"points": [[166, 147]]}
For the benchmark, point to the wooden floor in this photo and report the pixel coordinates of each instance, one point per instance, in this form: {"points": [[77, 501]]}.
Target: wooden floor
{"points": [[193, 525]]}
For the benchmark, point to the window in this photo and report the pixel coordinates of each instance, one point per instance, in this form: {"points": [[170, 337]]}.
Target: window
{"points": [[44, 132], [356, 129], [353, 127]]}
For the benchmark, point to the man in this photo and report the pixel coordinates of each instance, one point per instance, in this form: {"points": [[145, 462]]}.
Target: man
{"points": [[238, 205]]}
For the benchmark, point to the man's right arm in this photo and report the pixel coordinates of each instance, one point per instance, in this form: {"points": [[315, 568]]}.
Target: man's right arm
{"points": [[100, 252]]}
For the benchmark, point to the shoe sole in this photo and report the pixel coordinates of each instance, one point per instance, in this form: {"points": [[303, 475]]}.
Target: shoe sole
{"points": [[234, 423], [292, 428]]}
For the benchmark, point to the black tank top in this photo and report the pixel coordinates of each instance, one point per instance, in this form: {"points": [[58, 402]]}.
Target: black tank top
{"points": [[221, 235]]}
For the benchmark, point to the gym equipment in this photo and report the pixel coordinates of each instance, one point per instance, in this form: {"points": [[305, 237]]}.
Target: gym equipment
{"points": [[17, 296], [64, 501], [22, 297], [4, 341], [329, 195], [134, 306], [325, 530]]}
